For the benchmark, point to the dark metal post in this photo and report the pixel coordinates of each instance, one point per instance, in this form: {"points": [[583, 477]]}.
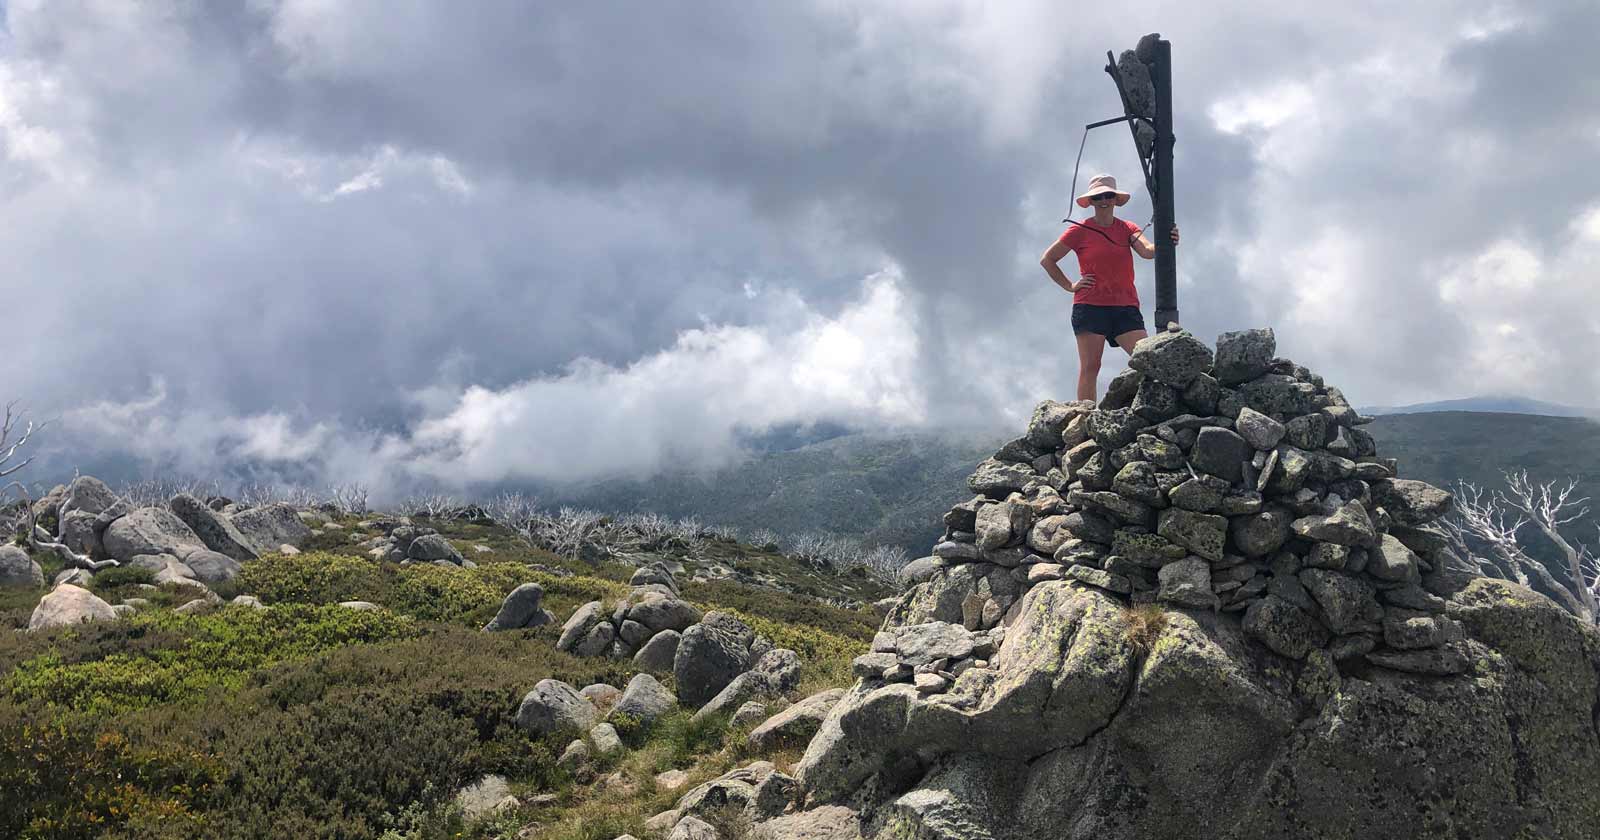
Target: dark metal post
{"points": [[1166, 256]]}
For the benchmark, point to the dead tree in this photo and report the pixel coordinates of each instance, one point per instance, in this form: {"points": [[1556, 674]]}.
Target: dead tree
{"points": [[42, 542], [1493, 520], [7, 428]]}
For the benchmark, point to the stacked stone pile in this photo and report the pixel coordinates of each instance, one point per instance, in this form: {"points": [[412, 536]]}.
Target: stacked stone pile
{"points": [[1232, 481]]}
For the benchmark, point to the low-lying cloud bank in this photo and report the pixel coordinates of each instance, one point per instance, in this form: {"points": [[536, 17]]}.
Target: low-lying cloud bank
{"points": [[693, 402]]}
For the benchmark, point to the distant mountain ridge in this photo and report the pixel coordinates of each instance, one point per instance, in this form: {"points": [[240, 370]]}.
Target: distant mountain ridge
{"points": [[893, 489], [1504, 404]]}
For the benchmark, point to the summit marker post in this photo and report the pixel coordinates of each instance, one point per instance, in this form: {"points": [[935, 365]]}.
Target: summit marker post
{"points": [[1143, 76]]}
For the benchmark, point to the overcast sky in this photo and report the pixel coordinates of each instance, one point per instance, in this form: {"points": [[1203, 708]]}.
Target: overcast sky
{"points": [[401, 242]]}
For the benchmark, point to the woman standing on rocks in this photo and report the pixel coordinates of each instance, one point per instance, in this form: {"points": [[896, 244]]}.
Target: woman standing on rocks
{"points": [[1105, 305]]}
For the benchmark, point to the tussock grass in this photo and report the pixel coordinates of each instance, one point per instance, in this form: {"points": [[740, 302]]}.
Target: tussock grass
{"points": [[1144, 625]]}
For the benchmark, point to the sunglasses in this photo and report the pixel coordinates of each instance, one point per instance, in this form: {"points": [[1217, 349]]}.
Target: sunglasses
{"points": [[1103, 197]]}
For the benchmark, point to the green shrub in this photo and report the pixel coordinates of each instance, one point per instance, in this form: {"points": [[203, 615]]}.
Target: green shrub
{"points": [[439, 593], [60, 781], [165, 657], [315, 577], [116, 577]]}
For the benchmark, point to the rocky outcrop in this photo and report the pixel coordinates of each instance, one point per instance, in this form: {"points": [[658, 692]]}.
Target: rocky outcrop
{"points": [[264, 529], [1210, 611], [150, 530], [628, 628], [216, 531]]}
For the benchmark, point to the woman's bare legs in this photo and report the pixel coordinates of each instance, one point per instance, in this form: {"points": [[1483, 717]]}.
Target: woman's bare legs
{"points": [[1128, 339], [1090, 348]]}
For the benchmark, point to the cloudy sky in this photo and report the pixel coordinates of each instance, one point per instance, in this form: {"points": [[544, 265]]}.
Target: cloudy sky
{"points": [[409, 243]]}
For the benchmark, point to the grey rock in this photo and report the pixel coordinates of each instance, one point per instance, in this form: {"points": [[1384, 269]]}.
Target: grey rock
{"points": [[1411, 503], [1260, 534], [1349, 525], [1156, 401], [1049, 421], [920, 644], [1101, 579], [1202, 494], [78, 532], [1172, 358], [521, 608], [710, 655], [147, 531], [17, 569], [606, 740], [87, 494], [1283, 627], [431, 547], [1243, 355], [1086, 525], [994, 477], [1203, 394], [1259, 430], [1348, 603], [660, 612], [1221, 453], [1137, 481], [796, 724], [482, 797], [579, 625], [659, 653], [1308, 431], [267, 527], [1438, 662], [212, 567], [1002, 524], [214, 530], [1121, 390], [68, 605], [1115, 428], [553, 706], [1201, 533], [1392, 561], [1187, 583], [644, 700], [1277, 394]]}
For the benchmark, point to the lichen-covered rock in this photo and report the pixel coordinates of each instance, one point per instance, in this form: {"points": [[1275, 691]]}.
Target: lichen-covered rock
{"points": [[1412, 503], [1243, 355], [1172, 358]]}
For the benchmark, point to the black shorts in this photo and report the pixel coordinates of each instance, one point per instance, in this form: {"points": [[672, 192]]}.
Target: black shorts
{"points": [[1109, 321]]}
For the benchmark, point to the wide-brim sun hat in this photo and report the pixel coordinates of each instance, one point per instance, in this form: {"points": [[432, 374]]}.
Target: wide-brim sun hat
{"points": [[1103, 184]]}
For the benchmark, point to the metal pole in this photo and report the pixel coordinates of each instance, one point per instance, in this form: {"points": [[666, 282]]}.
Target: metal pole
{"points": [[1166, 255]]}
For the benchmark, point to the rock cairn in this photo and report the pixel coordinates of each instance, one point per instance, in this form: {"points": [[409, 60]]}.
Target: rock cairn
{"points": [[1233, 481]]}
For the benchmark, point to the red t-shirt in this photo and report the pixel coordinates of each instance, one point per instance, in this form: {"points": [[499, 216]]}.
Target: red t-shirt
{"points": [[1108, 257]]}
